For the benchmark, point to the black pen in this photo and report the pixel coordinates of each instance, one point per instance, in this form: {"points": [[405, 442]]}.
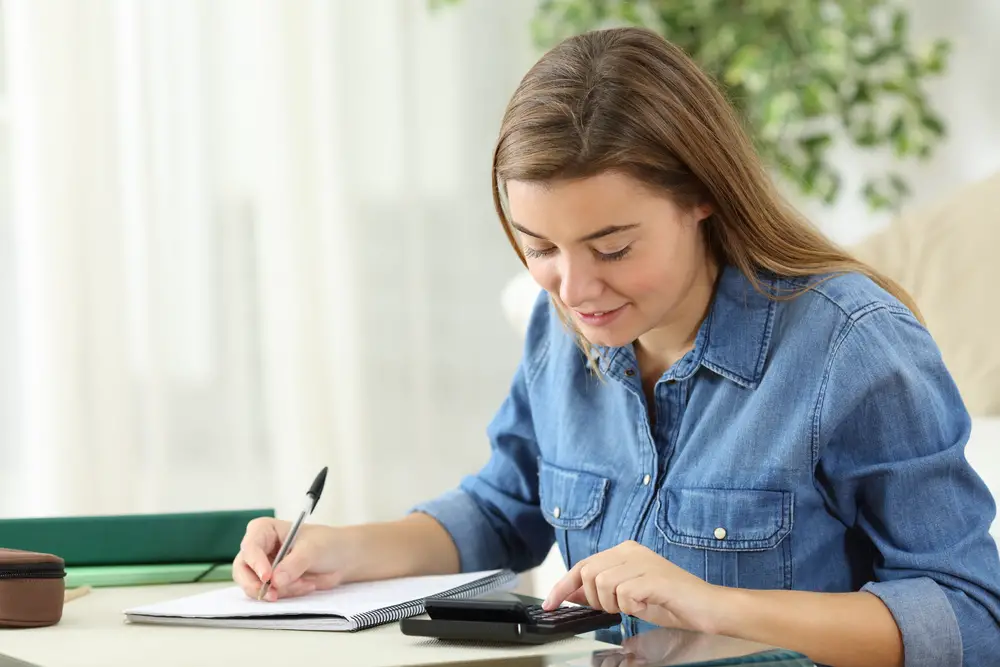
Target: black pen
{"points": [[312, 497]]}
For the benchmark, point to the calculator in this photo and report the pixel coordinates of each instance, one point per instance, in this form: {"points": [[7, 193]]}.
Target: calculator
{"points": [[504, 617]]}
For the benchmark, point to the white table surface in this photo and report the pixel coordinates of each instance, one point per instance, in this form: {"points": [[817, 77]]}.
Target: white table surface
{"points": [[93, 631]]}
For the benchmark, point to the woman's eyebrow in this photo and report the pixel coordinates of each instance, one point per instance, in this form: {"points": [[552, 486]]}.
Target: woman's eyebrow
{"points": [[599, 234]]}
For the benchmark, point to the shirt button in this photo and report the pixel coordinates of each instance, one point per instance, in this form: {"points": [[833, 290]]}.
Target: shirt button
{"points": [[630, 372], [645, 480], [556, 514], [720, 533]]}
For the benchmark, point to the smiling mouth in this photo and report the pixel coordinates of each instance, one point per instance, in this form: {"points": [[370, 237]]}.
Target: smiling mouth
{"points": [[598, 313], [599, 317]]}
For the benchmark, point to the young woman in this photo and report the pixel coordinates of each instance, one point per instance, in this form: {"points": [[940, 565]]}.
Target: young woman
{"points": [[725, 422]]}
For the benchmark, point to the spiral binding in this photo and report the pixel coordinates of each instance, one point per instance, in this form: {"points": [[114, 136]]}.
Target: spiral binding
{"points": [[370, 619]]}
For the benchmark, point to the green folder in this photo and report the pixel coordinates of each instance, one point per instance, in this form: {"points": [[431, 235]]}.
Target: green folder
{"points": [[200, 538], [140, 575]]}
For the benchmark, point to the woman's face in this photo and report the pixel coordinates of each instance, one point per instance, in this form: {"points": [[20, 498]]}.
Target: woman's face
{"points": [[620, 256]]}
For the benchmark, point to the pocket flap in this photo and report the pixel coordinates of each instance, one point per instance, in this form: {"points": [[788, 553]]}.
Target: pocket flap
{"points": [[725, 519], [570, 499]]}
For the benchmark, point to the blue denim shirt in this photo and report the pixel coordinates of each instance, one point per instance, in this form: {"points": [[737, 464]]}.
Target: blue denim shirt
{"points": [[814, 443]]}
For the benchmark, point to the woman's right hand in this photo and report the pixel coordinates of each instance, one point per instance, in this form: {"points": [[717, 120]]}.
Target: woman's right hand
{"points": [[316, 561]]}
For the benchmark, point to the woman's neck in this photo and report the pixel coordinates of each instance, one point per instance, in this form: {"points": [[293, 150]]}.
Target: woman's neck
{"points": [[660, 348]]}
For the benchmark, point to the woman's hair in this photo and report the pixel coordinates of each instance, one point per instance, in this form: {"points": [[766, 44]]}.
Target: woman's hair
{"points": [[626, 100]]}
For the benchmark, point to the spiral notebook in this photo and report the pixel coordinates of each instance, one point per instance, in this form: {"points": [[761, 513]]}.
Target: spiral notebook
{"points": [[346, 608]]}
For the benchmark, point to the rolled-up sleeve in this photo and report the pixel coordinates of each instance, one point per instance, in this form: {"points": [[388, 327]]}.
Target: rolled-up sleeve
{"points": [[494, 516], [889, 442]]}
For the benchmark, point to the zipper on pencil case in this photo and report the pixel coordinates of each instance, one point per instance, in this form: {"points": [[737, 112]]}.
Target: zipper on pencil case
{"points": [[32, 571]]}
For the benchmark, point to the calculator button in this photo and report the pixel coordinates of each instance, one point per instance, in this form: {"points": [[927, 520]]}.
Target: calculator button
{"points": [[535, 612]]}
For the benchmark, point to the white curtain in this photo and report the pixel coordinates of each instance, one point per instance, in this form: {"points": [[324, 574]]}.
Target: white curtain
{"points": [[248, 239]]}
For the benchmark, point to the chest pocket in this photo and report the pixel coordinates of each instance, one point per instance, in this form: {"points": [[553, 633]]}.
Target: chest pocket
{"points": [[729, 537], [573, 504]]}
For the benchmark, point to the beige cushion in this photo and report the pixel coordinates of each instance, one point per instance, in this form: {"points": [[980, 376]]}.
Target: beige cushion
{"points": [[982, 453], [946, 256]]}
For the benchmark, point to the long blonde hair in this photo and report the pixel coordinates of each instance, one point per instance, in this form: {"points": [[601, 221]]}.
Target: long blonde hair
{"points": [[626, 100]]}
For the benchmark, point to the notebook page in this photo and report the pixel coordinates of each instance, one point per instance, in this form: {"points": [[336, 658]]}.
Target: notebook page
{"points": [[353, 599], [347, 600]]}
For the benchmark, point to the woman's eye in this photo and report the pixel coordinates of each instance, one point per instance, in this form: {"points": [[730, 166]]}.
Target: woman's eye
{"points": [[538, 252], [613, 256]]}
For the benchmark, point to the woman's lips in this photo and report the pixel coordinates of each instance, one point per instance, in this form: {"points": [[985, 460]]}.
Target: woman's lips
{"points": [[600, 318]]}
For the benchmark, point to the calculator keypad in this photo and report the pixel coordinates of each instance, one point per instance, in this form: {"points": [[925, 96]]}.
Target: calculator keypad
{"points": [[560, 614]]}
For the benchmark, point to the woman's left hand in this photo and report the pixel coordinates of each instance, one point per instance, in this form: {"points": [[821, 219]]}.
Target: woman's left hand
{"points": [[637, 581]]}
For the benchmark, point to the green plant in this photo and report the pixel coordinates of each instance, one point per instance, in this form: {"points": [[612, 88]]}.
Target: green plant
{"points": [[803, 74]]}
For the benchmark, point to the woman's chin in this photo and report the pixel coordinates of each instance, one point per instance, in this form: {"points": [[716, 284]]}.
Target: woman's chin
{"points": [[601, 337]]}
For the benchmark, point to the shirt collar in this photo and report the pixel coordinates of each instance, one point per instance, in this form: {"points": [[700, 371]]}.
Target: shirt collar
{"points": [[732, 341], [739, 328]]}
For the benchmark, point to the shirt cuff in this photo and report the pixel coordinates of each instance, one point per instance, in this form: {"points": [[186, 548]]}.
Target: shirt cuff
{"points": [[479, 547], [931, 637]]}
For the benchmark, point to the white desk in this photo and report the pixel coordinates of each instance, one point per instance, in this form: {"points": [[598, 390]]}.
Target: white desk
{"points": [[93, 632]]}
